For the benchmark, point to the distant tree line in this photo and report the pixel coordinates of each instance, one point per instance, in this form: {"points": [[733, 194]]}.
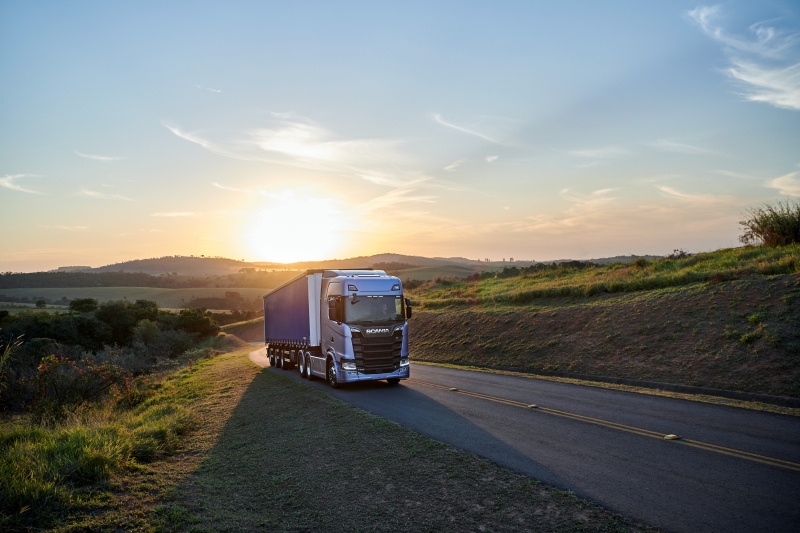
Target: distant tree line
{"points": [[41, 280]]}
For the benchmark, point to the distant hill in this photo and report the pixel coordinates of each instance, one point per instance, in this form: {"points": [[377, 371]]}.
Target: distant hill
{"points": [[220, 266], [189, 266]]}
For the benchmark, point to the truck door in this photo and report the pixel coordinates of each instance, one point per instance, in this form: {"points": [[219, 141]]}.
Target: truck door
{"points": [[332, 332]]}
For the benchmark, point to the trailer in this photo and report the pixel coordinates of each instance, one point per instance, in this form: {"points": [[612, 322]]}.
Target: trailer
{"points": [[343, 326]]}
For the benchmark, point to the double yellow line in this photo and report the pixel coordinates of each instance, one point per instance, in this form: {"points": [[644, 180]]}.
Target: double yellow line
{"points": [[771, 461]]}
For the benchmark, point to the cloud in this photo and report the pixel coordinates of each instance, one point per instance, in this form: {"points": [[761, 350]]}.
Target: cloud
{"points": [[103, 158], [787, 184], [670, 192], [769, 41], [175, 214], [102, 195], [454, 165], [9, 182], [491, 158], [302, 143], [67, 228], [438, 118], [778, 86], [672, 146], [208, 89], [234, 189]]}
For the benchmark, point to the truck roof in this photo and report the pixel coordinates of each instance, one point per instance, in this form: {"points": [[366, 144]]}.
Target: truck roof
{"points": [[331, 273]]}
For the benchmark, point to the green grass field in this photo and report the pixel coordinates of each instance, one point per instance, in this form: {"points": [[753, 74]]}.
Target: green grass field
{"points": [[18, 308], [165, 298]]}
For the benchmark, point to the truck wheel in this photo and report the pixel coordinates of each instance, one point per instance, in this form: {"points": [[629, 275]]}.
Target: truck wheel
{"points": [[284, 363], [332, 376], [393, 381], [303, 366], [271, 357]]}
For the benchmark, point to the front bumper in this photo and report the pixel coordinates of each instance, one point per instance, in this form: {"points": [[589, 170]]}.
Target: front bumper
{"points": [[351, 376]]}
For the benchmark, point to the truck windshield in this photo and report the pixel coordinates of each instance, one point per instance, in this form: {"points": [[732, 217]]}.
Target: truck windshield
{"points": [[371, 309]]}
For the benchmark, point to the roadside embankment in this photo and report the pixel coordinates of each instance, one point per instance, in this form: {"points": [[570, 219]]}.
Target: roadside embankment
{"points": [[741, 335]]}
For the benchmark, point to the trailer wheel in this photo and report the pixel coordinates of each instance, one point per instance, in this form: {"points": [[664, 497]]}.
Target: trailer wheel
{"points": [[332, 375], [271, 357]]}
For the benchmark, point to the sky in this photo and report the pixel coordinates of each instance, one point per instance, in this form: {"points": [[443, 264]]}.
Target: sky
{"points": [[285, 131]]}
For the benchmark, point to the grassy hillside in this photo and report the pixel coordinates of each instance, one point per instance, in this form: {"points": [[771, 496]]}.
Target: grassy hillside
{"points": [[726, 319], [568, 281], [165, 298]]}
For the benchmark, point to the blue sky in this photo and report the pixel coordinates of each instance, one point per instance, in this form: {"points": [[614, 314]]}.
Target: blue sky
{"points": [[287, 131]]}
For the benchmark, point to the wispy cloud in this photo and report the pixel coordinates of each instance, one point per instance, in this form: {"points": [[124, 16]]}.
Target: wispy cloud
{"points": [[233, 189], [768, 41], [670, 192], [779, 87], [175, 214], [66, 228], [103, 195], [672, 146], [788, 184], [438, 118], [491, 158], [302, 143], [9, 182], [103, 158], [209, 89], [775, 85], [454, 165]]}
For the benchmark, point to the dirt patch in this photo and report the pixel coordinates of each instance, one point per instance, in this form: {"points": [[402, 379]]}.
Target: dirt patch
{"points": [[737, 335]]}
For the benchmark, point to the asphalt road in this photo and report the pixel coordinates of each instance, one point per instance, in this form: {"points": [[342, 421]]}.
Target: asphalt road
{"points": [[733, 469]]}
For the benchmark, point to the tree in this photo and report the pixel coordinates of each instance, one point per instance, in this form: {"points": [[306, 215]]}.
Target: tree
{"points": [[83, 305], [41, 304]]}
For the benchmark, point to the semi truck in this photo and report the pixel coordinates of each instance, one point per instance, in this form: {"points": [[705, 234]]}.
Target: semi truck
{"points": [[343, 326]]}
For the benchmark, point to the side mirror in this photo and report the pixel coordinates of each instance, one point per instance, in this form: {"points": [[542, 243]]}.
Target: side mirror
{"points": [[408, 308]]}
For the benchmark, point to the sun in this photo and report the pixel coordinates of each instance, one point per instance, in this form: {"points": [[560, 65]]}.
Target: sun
{"points": [[294, 229]]}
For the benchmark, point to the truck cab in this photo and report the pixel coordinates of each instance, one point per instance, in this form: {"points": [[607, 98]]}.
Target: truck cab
{"points": [[363, 328]]}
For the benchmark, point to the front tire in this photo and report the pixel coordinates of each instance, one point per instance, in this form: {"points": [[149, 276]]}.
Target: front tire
{"points": [[393, 381], [332, 375], [303, 365]]}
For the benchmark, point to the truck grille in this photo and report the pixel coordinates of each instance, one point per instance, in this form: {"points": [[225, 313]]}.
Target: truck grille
{"points": [[377, 355]]}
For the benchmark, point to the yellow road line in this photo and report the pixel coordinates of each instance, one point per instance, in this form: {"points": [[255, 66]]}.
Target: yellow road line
{"points": [[763, 459]]}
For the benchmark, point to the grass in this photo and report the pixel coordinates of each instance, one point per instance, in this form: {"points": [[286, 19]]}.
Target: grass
{"points": [[165, 298], [615, 278], [47, 471], [13, 308], [739, 335], [268, 453]]}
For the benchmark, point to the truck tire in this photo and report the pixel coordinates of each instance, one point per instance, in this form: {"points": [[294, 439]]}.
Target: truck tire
{"points": [[271, 357], [302, 366], [331, 375], [284, 364], [393, 381]]}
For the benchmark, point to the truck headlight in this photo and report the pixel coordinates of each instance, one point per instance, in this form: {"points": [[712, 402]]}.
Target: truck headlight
{"points": [[348, 365], [404, 361]]}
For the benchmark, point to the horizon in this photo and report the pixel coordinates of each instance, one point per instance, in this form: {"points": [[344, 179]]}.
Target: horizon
{"points": [[289, 133]]}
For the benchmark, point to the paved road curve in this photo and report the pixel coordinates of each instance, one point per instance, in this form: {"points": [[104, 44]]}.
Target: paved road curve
{"points": [[734, 470]]}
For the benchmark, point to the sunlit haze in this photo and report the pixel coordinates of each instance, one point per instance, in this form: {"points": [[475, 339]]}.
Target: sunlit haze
{"points": [[313, 130]]}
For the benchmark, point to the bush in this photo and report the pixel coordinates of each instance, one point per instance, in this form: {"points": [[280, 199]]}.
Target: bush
{"points": [[772, 225], [83, 305]]}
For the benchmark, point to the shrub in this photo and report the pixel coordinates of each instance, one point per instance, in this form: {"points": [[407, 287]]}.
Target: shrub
{"points": [[772, 225], [83, 305], [41, 304], [640, 262]]}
